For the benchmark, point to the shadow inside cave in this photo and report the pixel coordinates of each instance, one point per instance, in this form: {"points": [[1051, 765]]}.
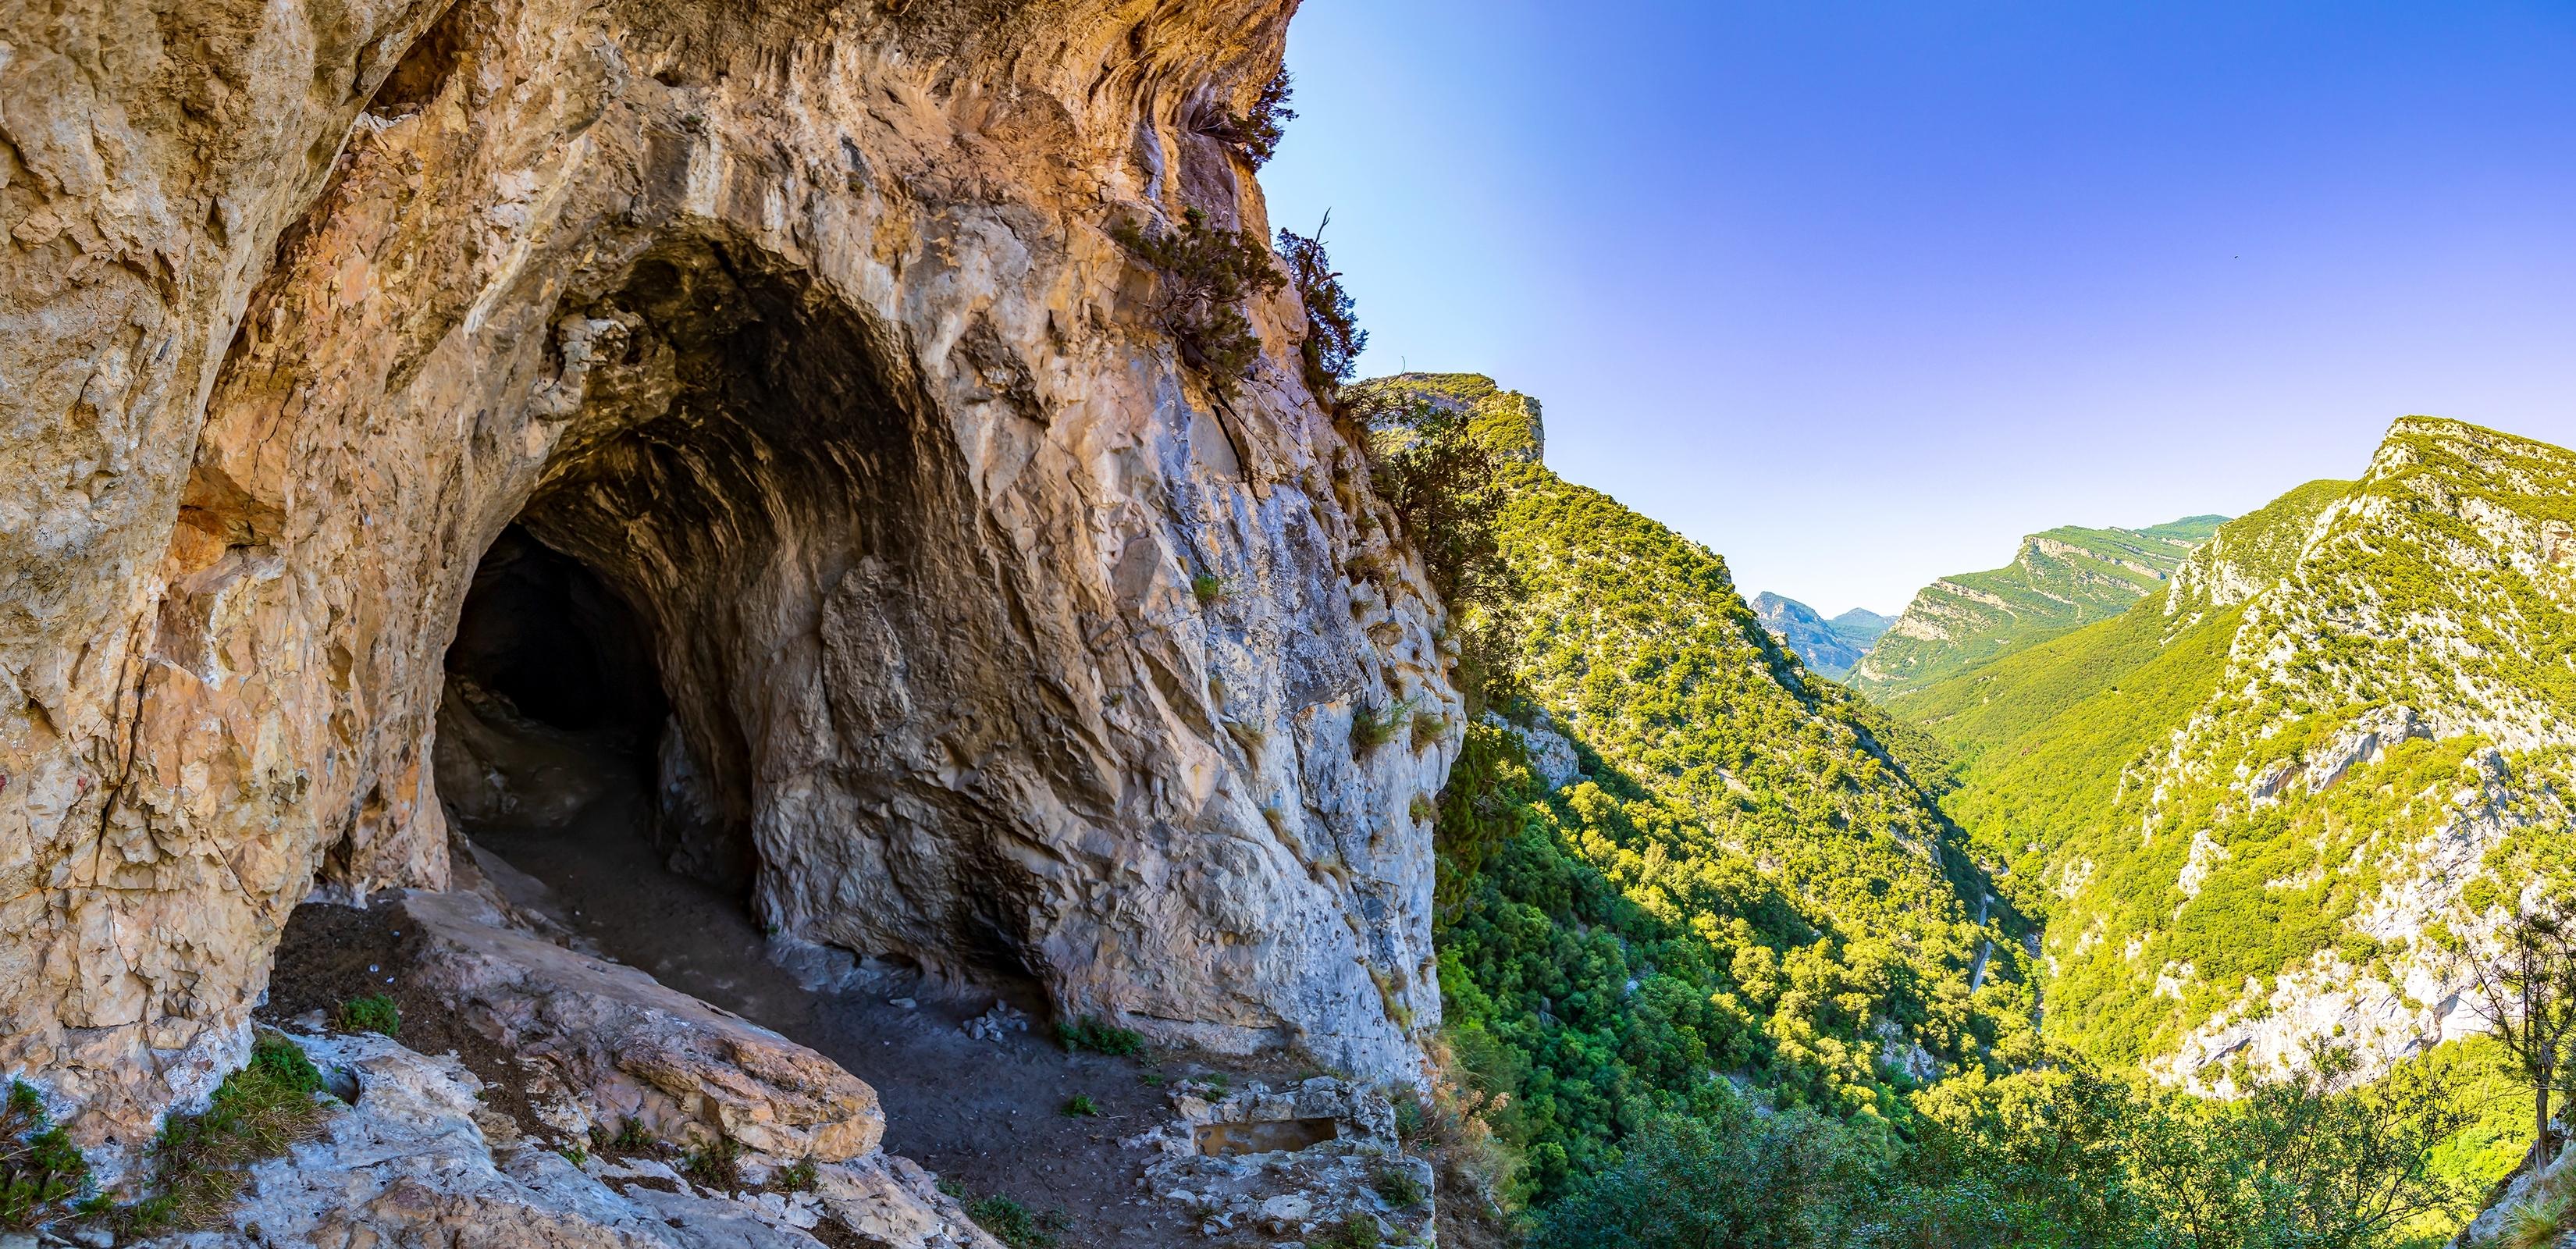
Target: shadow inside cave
{"points": [[554, 752]]}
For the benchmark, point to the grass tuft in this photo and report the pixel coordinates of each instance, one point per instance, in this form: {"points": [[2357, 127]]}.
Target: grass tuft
{"points": [[1398, 1187], [40, 1170], [375, 1012], [1016, 1225], [1089, 1033], [1355, 1231], [795, 1177], [1082, 1107], [1372, 729], [200, 1161], [1428, 727], [716, 1164], [629, 1138]]}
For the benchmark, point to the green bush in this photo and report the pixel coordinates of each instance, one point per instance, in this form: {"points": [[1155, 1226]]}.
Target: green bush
{"points": [[1089, 1033], [41, 1172], [716, 1164], [375, 1012], [1334, 339], [1256, 133], [1398, 1187], [1372, 729], [1016, 1225], [1205, 274], [796, 1177]]}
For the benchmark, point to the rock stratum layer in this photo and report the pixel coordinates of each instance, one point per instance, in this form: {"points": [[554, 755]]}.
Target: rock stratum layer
{"points": [[801, 328]]}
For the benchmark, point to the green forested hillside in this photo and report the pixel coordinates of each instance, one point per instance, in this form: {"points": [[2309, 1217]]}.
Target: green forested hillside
{"points": [[1751, 881], [2043, 735], [2244, 806], [2058, 580], [1739, 979]]}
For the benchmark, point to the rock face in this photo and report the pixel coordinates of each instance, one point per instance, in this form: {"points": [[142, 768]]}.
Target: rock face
{"points": [[1320, 1156], [633, 1049], [419, 1161], [800, 328]]}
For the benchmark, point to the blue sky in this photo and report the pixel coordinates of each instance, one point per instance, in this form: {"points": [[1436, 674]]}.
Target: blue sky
{"points": [[1858, 294]]}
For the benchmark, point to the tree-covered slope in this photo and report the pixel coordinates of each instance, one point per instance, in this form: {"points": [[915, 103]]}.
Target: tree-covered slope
{"points": [[2058, 580], [1830, 646], [1749, 879], [2243, 804]]}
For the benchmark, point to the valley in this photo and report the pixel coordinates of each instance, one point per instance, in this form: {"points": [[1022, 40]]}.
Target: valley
{"points": [[667, 625]]}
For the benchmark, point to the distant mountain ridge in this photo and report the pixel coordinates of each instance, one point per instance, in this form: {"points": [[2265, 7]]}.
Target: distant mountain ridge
{"points": [[2062, 579], [1828, 647]]}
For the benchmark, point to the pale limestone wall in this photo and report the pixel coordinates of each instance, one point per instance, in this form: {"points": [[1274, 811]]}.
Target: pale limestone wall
{"points": [[800, 325]]}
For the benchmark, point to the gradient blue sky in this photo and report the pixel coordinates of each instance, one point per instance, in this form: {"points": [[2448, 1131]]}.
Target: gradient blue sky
{"points": [[1858, 294]]}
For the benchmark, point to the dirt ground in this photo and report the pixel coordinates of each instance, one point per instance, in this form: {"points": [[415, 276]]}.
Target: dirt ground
{"points": [[988, 1117]]}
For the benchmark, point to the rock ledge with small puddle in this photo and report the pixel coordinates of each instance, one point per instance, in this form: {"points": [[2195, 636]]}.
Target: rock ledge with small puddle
{"points": [[1301, 1161]]}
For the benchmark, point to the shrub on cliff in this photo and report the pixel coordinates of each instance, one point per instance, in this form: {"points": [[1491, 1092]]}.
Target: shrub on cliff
{"points": [[1447, 487], [1334, 338], [1205, 272], [1255, 134]]}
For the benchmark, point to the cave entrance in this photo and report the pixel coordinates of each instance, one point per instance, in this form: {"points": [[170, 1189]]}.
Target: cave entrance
{"points": [[557, 749]]}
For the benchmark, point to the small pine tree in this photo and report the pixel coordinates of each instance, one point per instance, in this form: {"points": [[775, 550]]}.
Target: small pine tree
{"points": [[1256, 134], [1207, 273], [1334, 338]]}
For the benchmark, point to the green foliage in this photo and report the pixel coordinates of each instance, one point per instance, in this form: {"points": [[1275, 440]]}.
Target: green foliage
{"points": [[717, 1164], [198, 1164], [1256, 134], [1355, 1231], [1208, 588], [2056, 1155], [2110, 773], [1723, 1178], [630, 1137], [1206, 273], [1080, 1105], [1334, 339], [1758, 901], [1372, 729], [375, 1012], [1440, 463], [1016, 1225], [796, 1177], [1088, 1033], [1752, 882], [1398, 1186], [41, 1172]]}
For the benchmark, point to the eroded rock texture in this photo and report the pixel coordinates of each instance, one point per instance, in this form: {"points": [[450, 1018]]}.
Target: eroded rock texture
{"points": [[798, 326]]}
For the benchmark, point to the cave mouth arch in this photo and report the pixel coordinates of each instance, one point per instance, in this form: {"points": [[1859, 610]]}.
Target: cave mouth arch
{"points": [[771, 591]]}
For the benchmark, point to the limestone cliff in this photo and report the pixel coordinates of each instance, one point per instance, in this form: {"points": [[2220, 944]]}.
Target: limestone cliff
{"points": [[800, 326]]}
